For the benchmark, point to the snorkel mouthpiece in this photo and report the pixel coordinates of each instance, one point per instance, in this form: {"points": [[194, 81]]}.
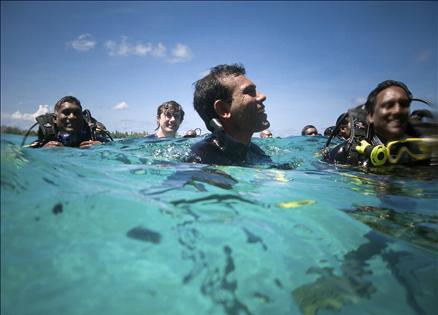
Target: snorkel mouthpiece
{"points": [[378, 154]]}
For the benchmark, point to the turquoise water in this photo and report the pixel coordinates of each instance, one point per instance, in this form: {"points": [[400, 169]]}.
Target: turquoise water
{"points": [[128, 228]]}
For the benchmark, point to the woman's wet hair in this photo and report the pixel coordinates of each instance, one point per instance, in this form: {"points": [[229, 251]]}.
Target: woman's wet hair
{"points": [[371, 100], [211, 88], [68, 99], [170, 105]]}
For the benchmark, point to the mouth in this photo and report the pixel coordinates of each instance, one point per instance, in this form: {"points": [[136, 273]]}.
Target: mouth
{"points": [[396, 123], [263, 114]]}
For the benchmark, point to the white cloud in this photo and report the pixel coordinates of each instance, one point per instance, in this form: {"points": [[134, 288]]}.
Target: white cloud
{"points": [[124, 48], [42, 109], [121, 105], [424, 56], [84, 42], [159, 51], [142, 49], [180, 53]]}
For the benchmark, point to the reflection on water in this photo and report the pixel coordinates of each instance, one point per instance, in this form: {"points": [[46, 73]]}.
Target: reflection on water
{"points": [[128, 227]]}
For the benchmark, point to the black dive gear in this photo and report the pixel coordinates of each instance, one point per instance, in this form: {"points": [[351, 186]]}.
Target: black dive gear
{"points": [[366, 149], [221, 149], [48, 131]]}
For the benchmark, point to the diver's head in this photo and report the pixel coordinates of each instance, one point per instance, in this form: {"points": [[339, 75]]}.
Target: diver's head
{"points": [[229, 96], [387, 109], [191, 133], [69, 117], [344, 124], [266, 134], [169, 117], [309, 130], [328, 131], [422, 115]]}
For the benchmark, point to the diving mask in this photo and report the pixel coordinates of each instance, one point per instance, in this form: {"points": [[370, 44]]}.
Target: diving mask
{"points": [[418, 149], [395, 152]]}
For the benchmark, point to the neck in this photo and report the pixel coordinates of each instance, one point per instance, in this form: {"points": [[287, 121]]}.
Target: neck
{"points": [[237, 135], [161, 134]]}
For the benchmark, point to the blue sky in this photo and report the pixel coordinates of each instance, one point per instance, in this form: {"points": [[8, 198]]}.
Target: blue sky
{"points": [[313, 60]]}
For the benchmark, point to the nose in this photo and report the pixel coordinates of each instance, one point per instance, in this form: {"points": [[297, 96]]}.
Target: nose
{"points": [[399, 108], [261, 97], [71, 116]]}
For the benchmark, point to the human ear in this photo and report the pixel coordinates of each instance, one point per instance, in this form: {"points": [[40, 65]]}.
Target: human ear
{"points": [[370, 118], [222, 109]]}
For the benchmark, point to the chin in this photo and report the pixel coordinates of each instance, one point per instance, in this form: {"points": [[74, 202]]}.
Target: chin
{"points": [[69, 130]]}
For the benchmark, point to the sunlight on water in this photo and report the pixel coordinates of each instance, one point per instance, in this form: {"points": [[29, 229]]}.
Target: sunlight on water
{"points": [[129, 228]]}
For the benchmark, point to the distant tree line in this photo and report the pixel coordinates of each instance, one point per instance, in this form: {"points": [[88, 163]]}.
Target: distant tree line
{"points": [[34, 132], [18, 131], [120, 134]]}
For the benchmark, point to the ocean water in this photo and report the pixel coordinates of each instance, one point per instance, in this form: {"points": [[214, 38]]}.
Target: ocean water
{"points": [[129, 228]]}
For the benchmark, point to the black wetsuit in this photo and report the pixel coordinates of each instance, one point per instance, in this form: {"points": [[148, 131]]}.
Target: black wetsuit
{"points": [[152, 136], [221, 149]]}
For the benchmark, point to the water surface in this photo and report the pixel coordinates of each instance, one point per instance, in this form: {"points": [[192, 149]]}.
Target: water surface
{"points": [[129, 228]]}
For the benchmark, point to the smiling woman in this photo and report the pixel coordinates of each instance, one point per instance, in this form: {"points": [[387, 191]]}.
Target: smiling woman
{"points": [[169, 117]]}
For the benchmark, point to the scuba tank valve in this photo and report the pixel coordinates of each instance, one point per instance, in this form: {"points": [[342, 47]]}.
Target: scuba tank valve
{"points": [[378, 154]]}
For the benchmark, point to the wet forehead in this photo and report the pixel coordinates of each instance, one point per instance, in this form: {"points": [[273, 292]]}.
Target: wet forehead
{"points": [[171, 111], [68, 106], [391, 93], [238, 83]]}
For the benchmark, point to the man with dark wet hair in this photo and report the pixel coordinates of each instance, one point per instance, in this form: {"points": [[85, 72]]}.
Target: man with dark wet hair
{"points": [[344, 125], [69, 126], [233, 110], [309, 130], [266, 134]]}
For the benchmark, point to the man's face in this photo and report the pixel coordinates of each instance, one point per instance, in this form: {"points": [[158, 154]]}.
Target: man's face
{"points": [[246, 109], [391, 113], [345, 130], [69, 118], [169, 121], [311, 132]]}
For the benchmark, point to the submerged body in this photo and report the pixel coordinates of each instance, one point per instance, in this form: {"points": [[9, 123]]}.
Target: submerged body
{"points": [[132, 222]]}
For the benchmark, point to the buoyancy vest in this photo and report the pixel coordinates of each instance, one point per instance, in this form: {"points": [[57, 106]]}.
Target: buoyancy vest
{"points": [[48, 131]]}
